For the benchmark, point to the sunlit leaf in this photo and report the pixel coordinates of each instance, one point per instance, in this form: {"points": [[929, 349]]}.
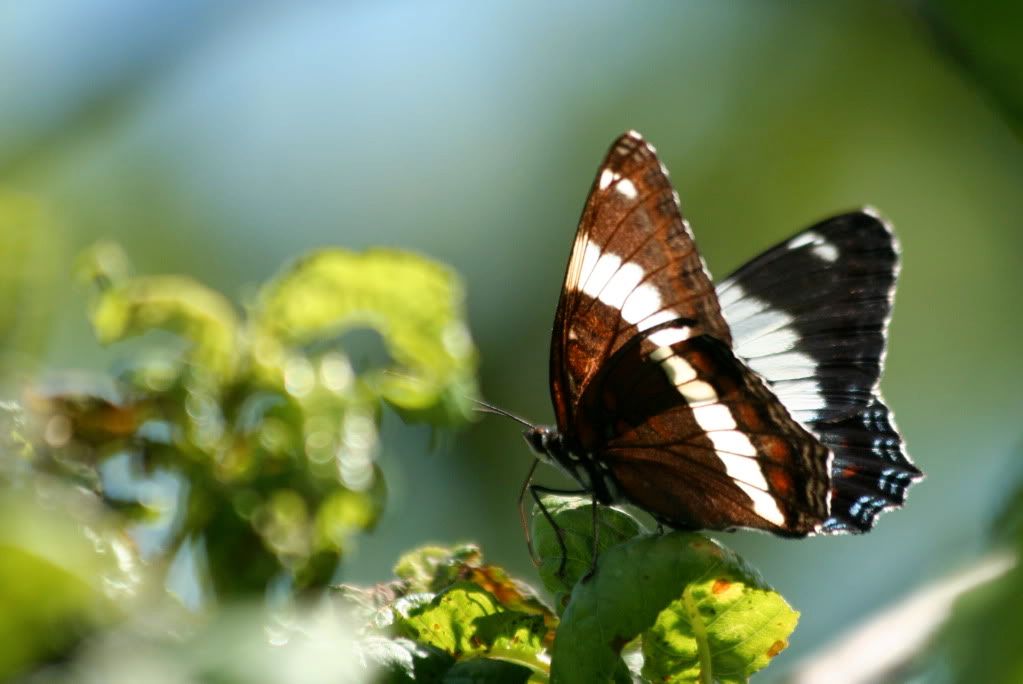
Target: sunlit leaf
{"points": [[703, 614], [467, 621], [415, 304], [124, 307], [512, 635], [448, 622], [428, 568]]}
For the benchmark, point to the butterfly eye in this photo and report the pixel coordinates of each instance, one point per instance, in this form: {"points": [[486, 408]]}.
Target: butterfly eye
{"points": [[536, 438]]}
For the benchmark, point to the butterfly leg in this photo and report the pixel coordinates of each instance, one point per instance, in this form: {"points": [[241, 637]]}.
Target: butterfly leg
{"points": [[535, 491], [523, 519]]}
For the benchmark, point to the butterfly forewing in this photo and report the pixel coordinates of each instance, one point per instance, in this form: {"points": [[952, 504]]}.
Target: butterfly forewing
{"points": [[633, 266]]}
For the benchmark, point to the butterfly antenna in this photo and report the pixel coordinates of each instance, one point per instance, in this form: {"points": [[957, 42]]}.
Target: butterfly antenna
{"points": [[484, 407]]}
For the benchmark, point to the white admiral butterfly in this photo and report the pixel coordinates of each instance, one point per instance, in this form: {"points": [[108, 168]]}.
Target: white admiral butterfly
{"points": [[754, 404]]}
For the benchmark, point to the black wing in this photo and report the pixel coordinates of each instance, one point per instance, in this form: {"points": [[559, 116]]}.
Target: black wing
{"points": [[810, 315]]}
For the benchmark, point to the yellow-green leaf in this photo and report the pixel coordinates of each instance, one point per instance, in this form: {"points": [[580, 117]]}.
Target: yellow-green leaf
{"points": [[126, 306], [468, 621], [727, 624], [415, 304], [703, 614]]}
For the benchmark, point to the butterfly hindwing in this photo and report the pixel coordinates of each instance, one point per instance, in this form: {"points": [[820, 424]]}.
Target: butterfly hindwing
{"points": [[810, 315], [696, 439], [871, 472]]}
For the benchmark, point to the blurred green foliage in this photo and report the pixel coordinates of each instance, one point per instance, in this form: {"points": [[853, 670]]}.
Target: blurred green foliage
{"points": [[68, 569], [265, 419], [270, 433], [65, 574]]}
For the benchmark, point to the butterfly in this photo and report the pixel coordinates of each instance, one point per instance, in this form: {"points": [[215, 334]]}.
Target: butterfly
{"points": [[752, 404]]}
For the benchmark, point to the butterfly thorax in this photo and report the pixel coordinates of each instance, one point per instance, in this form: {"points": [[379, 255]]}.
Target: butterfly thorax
{"points": [[550, 446]]}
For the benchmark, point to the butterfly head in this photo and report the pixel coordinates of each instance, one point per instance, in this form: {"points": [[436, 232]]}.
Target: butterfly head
{"points": [[547, 443]]}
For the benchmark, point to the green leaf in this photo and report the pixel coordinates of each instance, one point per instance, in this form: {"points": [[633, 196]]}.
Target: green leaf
{"points": [[703, 614], [486, 671], [66, 571], [448, 621], [402, 661], [511, 635], [126, 306], [433, 568], [415, 304], [468, 621], [574, 516]]}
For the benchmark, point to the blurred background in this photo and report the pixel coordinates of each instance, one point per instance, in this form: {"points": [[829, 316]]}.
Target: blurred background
{"points": [[221, 140]]}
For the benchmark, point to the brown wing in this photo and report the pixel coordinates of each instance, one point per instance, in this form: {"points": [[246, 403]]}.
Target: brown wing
{"points": [[633, 266], [695, 438]]}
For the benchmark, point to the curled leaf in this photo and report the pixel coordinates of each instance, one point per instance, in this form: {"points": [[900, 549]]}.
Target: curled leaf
{"points": [[415, 304], [125, 306]]}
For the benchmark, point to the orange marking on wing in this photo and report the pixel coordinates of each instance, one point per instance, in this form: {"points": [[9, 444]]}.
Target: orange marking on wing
{"points": [[749, 417], [775, 448], [780, 482]]}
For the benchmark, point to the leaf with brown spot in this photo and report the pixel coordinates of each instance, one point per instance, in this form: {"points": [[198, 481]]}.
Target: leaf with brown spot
{"points": [[466, 621], [703, 614]]}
